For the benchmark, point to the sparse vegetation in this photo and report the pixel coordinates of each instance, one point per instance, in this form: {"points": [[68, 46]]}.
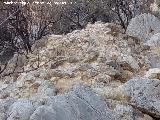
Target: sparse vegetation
{"points": [[79, 59]]}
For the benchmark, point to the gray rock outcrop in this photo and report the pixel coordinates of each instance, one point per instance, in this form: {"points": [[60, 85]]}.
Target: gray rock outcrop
{"points": [[80, 104], [143, 26], [141, 93], [21, 109], [144, 94], [102, 61], [154, 41]]}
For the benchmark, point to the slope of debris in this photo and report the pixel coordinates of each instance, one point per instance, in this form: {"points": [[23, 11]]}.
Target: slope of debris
{"points": [[99, 54], [100, 61]]}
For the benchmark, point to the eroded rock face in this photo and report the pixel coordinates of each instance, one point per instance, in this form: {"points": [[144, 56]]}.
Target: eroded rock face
{"points": [[44, 113], [141, 93], [153, 73], [21, 109], [81, 103], [4, 107], [144, 94], [154, 60], [100, 51], [99, 57], [143, 26], [82, 56], [126, 112], [154, 41]]}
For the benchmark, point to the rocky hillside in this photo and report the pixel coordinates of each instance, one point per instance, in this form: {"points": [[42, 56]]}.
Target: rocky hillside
{"points": [[98, 73]]}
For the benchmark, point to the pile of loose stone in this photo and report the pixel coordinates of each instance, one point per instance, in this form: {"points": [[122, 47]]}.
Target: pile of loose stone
{"points": [[98, 73]]}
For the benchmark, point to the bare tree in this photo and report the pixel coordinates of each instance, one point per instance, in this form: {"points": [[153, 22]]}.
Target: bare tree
{"points": [[21, 26]]}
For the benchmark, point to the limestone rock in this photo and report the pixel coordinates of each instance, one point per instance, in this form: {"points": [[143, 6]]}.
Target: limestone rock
{"points": [[154, 41], [129, 63], [44, 113], [100, 57], [79, 57], [46, 89], [126, 112], [153, 73], [154, 60], [4, 106], [21, 110], [143, 26], [144, 94], [81, 104]]}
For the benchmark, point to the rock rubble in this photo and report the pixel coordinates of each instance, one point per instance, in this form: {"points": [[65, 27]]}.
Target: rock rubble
{"points": [[97, 73]]}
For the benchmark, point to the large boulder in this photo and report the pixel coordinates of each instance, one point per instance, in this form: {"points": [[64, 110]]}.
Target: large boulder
{"points": [[21, 110], [44, 113], [127, 112], [97, 56], [141, 93], [154, 41], [83, 104], [153, 60], [143, 26], [144, 94], [4, 106], [46, 89], [79, 104], [153, 73]]}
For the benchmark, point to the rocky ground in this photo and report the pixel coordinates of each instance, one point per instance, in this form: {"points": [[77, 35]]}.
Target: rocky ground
{"points": [[98, 73]]}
